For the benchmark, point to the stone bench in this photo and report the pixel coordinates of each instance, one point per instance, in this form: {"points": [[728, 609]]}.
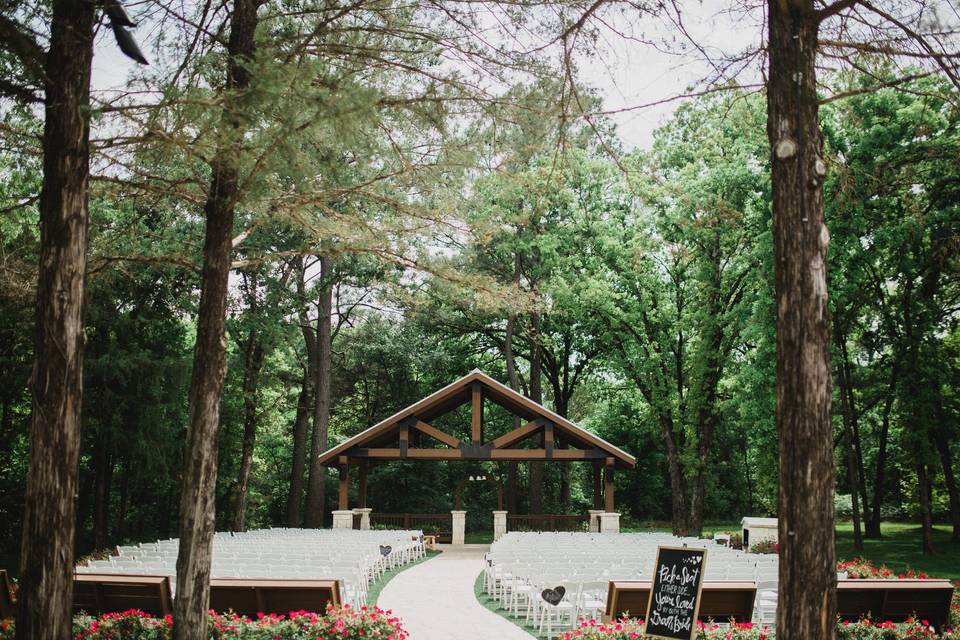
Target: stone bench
{"points": [[719, 601]]}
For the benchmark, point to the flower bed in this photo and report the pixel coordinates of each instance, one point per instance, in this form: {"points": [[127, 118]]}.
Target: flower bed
{"points": [[339, 623], [627, 629], [858, 568], [765, 546], [955, 606], [911, 630]]}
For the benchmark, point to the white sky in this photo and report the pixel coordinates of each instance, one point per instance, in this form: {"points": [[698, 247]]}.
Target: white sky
{"points": [[625, 72]]}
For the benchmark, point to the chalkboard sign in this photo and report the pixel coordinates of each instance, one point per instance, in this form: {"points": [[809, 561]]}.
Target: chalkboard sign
{"points": [[675, 594]]}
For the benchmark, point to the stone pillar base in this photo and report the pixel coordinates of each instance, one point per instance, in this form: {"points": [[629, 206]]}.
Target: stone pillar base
{"points": [[610, 522], [343, 519], [595, 520], [459, 526], [499, 524], [364, 517]]}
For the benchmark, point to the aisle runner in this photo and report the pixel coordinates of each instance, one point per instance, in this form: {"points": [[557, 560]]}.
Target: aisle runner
{"points": [[435, 600]]}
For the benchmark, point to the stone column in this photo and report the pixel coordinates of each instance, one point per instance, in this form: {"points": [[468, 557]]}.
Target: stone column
{"points": [[459, 526], [595, 519], [364, 517], [499, 524], [343, 519], [610, 522]]}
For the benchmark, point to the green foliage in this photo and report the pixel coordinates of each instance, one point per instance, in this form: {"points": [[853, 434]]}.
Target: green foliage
{"points": [[650, 276]]}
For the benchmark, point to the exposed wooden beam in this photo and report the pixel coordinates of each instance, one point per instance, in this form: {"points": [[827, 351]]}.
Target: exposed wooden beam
{"points": [[479, 453], [436, 434], [548, 439], [578, 454], [517, 434], [476, 424], [435, 454]]}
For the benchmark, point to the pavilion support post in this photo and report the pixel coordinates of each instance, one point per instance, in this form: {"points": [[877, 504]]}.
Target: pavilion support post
{"points": [[458, 526], [344, 494], [597, 485], [362, 488], [499, 524], [608, 486], [610, 522], [404, 440]]}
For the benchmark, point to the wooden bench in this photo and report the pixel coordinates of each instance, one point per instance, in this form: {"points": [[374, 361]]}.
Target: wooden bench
{"points": [[719, 601], [252, 596], [895, 600], [8, 606], [99, 593]]}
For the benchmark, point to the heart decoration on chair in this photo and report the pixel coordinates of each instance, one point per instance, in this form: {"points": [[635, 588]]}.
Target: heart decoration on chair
{"points": [[553, 596], [385, 549]]}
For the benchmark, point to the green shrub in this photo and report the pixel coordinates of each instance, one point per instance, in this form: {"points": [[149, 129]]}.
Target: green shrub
{"points": [[843, 506]]}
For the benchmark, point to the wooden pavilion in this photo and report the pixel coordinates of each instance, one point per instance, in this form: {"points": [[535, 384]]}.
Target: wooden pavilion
{"points": [[402, 437]]}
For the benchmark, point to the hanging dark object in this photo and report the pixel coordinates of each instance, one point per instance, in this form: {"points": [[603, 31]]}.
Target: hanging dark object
{"points": [[119, 20], [127, 44], [117, 14]]}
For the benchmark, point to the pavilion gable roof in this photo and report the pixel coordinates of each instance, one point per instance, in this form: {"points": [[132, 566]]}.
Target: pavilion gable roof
{"points": [[370, 442]]}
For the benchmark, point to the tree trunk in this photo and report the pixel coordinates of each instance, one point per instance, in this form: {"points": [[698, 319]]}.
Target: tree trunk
{"points": [[807, 606], [950, 479], [316, 485], [103, 475], [514, 380], [924, 487], [855, 431], [853, 479], [876, 513], [49, 520], [536, 394], [678, 492], [253, 363], [707, 413], [124, 498], [300, 424], [198, 490], [166, 521]]}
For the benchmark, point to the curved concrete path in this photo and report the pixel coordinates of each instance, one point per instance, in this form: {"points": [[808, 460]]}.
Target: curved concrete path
{"points": [[435, 599]]}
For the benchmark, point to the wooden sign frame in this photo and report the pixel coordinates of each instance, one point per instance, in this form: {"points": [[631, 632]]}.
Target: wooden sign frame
{"points": [[653, 590]]}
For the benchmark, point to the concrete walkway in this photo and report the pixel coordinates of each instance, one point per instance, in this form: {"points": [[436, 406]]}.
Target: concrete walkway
{"points": [[435, 599]]}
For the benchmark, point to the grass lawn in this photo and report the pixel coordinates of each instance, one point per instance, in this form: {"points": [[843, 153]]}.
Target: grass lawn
{"points": [[491, 604], [899, 548]]}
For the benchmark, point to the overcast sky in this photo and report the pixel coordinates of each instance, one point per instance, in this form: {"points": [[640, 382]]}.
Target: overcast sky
{"points": [[624, 71]]}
